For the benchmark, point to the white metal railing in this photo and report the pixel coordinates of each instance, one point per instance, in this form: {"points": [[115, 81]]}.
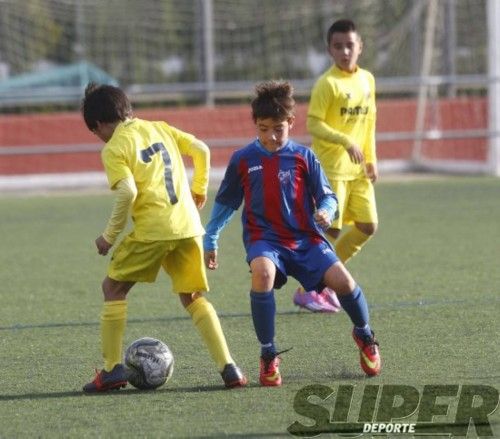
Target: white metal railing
{"points": [[71, 95], [240, 141]]}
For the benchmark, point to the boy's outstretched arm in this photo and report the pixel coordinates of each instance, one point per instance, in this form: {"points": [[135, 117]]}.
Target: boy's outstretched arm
{"points": [[125, 194], [220, 216]]}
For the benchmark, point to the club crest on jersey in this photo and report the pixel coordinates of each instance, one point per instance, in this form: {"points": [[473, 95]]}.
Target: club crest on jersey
{"points": [[285, 177], [254, 168]]}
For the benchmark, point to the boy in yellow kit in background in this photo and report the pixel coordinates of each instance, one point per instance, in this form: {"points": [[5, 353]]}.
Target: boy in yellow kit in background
{"points": [[341, 120], [144, 167]]}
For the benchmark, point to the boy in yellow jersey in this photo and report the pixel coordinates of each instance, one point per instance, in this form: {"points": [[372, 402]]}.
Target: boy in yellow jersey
{"points": [[144, 167], [341, 120]]}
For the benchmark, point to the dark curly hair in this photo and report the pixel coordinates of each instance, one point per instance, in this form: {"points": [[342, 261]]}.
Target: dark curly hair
{"points": [[106, 104], [274, 99]]}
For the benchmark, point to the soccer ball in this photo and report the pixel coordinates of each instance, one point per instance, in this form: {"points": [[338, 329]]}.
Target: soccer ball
{"points": [[149, 363]]}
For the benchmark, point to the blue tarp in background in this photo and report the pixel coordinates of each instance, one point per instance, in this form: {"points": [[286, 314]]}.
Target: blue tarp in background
{"points": [[59, 84]]}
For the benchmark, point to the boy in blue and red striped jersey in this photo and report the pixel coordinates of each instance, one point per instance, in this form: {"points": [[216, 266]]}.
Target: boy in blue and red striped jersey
{"points": [[288, 203]]}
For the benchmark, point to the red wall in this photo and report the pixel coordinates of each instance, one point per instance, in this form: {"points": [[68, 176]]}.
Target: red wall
{"points": [[232, 123]]}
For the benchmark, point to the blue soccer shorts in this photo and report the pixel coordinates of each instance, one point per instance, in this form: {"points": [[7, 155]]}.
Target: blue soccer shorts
{"points": [[307, 265]]}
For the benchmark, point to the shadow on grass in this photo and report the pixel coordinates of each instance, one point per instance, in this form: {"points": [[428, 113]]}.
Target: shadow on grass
{"points": [[296, 311], [130, 391], [48, 325]]}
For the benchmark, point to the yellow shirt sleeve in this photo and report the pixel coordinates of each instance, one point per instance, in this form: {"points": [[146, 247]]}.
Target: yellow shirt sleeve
{"points": [[125, 194], [200, 153], [320, 129], [370, 149]]}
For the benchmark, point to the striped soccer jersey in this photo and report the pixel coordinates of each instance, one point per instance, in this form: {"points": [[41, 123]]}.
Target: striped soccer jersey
{"points": [[281, 191]]}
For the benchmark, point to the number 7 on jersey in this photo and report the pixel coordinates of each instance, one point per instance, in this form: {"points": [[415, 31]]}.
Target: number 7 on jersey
{"points": [[146, 158]]}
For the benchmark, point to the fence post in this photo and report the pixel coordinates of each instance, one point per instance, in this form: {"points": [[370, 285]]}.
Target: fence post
{"points": [[493, 13], [208, 51]]}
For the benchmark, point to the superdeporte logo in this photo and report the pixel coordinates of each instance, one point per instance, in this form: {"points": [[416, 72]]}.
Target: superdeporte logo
{"points": [[351, 411]]}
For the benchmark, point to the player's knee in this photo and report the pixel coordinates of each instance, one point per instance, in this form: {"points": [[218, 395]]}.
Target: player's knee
{"points": [[115, 290], [333, 233], [345, 286], [339, 279], [188, 298], [107, 287], [262, 279], [367, 228]]}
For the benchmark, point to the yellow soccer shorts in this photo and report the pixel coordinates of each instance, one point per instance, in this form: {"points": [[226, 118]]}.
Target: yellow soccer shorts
{"points": [[140, 261], [356, 200]]}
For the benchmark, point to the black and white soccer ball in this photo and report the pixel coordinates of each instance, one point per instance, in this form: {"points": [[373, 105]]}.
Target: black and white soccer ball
{"points": [[149, 363]]}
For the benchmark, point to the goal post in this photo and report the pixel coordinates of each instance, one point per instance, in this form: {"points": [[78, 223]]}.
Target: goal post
{"points": [[493, 12], [454, 129]]}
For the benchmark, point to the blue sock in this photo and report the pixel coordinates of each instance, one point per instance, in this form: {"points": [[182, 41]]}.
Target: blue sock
{"points": [[263, 313], [356, 308]]}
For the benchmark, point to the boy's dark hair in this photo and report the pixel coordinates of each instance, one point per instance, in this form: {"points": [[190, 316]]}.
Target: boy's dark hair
{"points": [[342, 26], [274, 99], [105, 104]]}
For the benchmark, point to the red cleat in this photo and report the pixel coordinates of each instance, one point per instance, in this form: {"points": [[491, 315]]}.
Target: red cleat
{"points": [[369, 356], [233, 377], [104, 381]]}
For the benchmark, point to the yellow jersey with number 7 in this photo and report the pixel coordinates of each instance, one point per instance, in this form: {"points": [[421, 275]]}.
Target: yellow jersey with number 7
{"points": [[151, 153]]}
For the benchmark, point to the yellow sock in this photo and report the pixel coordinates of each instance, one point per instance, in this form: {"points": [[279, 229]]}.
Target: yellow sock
{"points": [[350, 243], [206, 321], [113, 320]]}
